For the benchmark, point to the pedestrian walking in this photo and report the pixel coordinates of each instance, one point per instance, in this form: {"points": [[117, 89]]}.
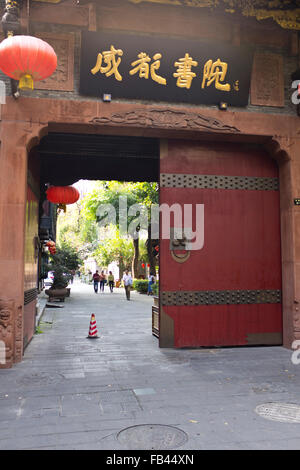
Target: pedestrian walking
{"points": [[127, 279], [111, 281], [96, 279], [102, 281], [151, 282]]}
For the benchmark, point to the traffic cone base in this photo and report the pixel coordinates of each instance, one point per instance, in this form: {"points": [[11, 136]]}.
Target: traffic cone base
{"points": [[93, 332]]}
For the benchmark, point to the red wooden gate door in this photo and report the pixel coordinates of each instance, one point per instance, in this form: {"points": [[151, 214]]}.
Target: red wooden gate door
{"points": [[228, 292]]}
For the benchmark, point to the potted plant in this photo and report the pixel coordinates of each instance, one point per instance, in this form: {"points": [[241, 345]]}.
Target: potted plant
{"points": [[61, 277], [62, 263]]}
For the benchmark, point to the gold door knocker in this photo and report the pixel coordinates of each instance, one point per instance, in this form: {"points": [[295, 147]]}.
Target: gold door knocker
{"points": [[179, 244]]}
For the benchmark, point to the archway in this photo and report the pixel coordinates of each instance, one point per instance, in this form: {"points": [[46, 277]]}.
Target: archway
{"points": [[19, 130]]}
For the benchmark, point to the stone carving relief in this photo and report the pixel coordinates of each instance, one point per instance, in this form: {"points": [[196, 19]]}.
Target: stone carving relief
{"points": [[7, 329], [166, 119], [19, 335], [63, 78], [267, 85]]}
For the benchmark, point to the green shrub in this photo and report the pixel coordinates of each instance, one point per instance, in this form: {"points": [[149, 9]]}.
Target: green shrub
{"points": [[140, 285]]}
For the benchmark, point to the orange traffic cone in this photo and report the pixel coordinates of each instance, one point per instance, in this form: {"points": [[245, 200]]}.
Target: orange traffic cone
{"points": [[93, 332]]}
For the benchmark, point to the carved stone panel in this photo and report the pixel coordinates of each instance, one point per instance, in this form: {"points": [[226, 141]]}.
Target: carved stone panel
{"points": [[18, 334], [267, 84], [166, 119], [63, 78], [7, 332]]}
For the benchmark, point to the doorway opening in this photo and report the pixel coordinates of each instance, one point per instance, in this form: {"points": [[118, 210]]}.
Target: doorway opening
{"points": [[227, 292], [62, 159]]}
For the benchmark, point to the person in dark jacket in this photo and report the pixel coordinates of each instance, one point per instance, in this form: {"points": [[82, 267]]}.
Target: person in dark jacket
{"points": [[96, 279]]}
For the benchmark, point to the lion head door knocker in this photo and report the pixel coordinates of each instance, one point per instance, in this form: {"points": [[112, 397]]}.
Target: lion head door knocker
{"points": [[179, 246]]}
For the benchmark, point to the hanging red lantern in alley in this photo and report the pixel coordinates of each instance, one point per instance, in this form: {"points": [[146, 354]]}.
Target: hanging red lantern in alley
{"points": [[148, 265], [143, 265], [27, 59], [62, 194], [51, 247]]}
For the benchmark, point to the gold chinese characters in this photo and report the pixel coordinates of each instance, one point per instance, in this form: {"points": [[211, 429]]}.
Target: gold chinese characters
{"points": [[214, 72], [111, 67], [184, 72], [141, 66]]}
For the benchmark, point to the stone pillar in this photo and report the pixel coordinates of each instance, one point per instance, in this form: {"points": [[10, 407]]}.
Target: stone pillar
{"points": [[295, 211], [287, 153], [13, 183]]}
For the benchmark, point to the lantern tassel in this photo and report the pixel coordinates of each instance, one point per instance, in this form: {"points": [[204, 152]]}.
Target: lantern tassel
{"points": [[26, 82], [62, 207]]}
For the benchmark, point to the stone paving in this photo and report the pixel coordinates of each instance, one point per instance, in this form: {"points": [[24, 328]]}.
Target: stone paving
{"points": [[70, 392]]}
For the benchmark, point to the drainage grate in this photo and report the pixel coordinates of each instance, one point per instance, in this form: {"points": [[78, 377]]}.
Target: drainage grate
{"points": [[283, 412], [152, 437]]}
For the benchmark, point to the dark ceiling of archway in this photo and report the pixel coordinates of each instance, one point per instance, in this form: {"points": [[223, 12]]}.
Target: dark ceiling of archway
{"points": [[66, 158]]}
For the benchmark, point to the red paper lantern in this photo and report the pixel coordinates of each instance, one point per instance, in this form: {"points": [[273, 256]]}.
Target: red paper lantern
{"points": [[51, 247], [143, 265], [62, 194], [148, 265], [27, 59]]}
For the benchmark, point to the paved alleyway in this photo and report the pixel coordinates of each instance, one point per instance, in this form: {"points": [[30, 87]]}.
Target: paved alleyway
{"points": [[74, 393]]}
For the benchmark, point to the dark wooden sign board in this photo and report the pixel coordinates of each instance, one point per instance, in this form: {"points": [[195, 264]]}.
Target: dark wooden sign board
{"points": [[204, 73]]}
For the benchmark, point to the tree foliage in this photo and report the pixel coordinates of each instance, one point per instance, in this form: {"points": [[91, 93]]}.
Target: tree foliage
{"points": [[79, 226], [110, 193], [75, 230], [62, 263], [114, 249]]}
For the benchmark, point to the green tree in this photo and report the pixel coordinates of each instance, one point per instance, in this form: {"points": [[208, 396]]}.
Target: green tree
{"points": [[135, 193], [115, 249], [148, 194], [68, 257], [63, 262], [76, 230]]}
